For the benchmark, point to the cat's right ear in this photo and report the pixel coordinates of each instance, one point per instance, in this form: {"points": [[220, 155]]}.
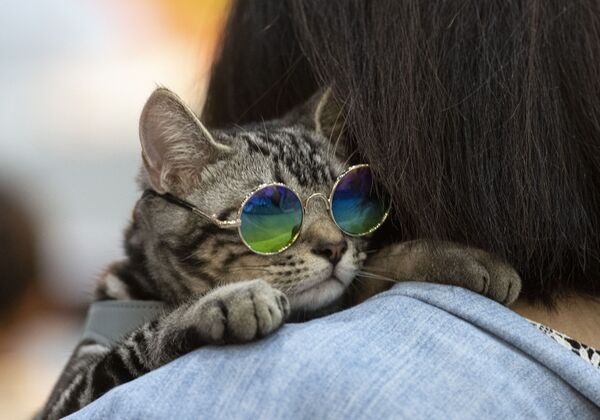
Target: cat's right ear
{"points": [[325, 115], [176, 146]]}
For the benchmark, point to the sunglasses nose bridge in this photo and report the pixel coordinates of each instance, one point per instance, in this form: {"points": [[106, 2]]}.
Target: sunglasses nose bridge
{"points": [[317, 196]]}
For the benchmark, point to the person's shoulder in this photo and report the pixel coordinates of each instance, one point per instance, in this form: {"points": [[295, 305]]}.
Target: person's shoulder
{"points": [[415, 351]]}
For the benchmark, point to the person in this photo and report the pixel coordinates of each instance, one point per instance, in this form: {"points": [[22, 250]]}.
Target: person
{"points": [[482, 121]]}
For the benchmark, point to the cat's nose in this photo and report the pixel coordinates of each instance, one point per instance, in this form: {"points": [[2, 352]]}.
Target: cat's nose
{"points": [[333, 251]]}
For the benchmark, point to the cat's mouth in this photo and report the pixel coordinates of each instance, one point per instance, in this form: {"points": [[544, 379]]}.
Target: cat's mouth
{"points": [[318, 292], [319, 284]]}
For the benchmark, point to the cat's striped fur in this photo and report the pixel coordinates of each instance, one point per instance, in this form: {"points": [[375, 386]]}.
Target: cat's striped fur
{"points": [[217, 290]]}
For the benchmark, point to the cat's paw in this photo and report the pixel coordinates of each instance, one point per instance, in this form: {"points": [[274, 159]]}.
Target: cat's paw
{"points": [[449, 263], [503, 282], [241, 312], [488, 275]]}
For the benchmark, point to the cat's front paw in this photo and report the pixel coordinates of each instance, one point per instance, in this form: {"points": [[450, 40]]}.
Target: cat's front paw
{"points": [[503, 283], [487, 274], [241, 312]]}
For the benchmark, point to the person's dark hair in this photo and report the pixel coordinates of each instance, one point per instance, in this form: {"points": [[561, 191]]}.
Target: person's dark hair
{"points": [[481, 118]]}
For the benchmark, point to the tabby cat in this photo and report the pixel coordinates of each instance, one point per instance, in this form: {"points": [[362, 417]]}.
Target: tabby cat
{"points": [[219, 291]]}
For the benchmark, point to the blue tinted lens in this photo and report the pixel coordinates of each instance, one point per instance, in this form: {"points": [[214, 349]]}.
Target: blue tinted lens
{"points": [[355, 207], [271, 219]]}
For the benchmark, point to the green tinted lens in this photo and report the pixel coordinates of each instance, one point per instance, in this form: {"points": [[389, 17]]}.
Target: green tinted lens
{"points": [[355, 207], [271, 219]]}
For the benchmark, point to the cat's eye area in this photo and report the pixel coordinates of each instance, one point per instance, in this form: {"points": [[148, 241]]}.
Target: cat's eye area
{"points": [[355, 206], [270, 219]]}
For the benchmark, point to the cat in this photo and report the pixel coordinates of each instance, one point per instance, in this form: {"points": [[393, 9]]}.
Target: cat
{"points": [[216, 289]]}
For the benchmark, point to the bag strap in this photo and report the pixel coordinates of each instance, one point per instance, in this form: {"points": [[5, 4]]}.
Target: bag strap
{"points": [[109, 321]]}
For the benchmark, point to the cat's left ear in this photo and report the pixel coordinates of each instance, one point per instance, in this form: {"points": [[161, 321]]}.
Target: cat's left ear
{"points": [[176, 146]]}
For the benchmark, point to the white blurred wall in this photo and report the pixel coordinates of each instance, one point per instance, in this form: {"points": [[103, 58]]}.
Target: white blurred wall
{"points": [[74, 75]]}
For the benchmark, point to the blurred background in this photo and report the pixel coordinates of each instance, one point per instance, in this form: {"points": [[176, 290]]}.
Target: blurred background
{"points": [[74, 75]]}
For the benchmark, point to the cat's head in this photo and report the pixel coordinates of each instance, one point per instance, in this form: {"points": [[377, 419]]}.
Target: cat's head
{"points": [[215, 170]]}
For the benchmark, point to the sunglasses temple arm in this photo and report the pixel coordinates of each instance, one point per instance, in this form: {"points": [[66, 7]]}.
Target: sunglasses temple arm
{"points": [[189, 206], [225, 224]]}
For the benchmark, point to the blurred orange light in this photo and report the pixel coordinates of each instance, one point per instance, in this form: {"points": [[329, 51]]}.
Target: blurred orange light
{"points": [[196, 19]]}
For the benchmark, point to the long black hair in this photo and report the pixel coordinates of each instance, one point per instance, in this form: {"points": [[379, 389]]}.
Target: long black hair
{"points": [[481, 118]]}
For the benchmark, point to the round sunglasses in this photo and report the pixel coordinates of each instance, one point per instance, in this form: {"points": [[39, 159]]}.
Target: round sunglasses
{"points": [[270, 218]]}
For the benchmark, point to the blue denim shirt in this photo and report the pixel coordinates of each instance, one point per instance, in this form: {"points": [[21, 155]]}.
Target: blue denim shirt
{"points": [[416, 351]]}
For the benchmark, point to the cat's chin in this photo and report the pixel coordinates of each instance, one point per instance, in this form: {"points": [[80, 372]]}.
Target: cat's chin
{"points": [[318, 295]]}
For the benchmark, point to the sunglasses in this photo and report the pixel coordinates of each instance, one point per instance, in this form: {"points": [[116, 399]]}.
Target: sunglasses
{"points": [[270, 218]]}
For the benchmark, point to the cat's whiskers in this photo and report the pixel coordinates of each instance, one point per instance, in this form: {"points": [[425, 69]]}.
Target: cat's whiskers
{"points": [[377, 270], [375, 276], [285, 288], [371, 251]]}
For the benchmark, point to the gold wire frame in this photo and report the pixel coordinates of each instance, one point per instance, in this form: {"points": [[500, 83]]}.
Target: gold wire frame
{"points": [[248, 197], [330, 201], [237, 223]]}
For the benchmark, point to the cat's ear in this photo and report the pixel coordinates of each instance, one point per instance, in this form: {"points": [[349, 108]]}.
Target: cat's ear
{"points": [[327, 114], [324, 114], [176, 147]]}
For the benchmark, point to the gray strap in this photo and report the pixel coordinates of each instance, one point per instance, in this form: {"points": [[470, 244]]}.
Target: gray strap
{"points": [[109, 321]]}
